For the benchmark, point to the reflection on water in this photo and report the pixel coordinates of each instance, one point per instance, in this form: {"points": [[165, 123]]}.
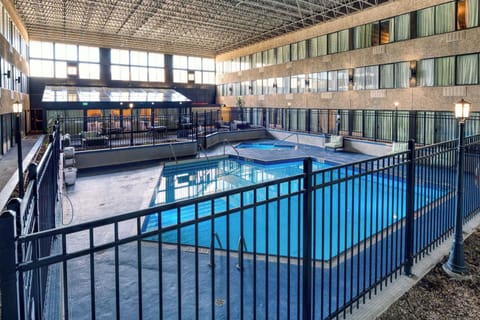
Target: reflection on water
{"points": [[206, 177]]}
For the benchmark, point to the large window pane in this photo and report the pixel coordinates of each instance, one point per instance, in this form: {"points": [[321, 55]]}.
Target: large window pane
{"points": [[332, 43], [42, 50], [402, 75], [444, 71], [139, 73], [359, 79], [332, 81], [118, 56], [60, 69], [65, 52], [120, 72], [371, 77], [194, 63], [156, 59], [180, 76], [386, 76], [322, 45], [88, 54], [425, 72], [302, 50], [425, 22], [41, 68], [138, 58], [313, 47], [445, 18], [156, 74], [343, 40], [180, 62], [323, 81], [467, 69], [342, 80], [89, 71], [402, 27]]}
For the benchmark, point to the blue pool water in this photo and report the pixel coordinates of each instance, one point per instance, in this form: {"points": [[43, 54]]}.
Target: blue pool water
{"points": [[344, 213], [264, 146]]}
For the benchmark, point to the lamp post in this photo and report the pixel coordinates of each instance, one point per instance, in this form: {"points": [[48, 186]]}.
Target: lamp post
{"points": [[17, 109], [456, 260], [130, 105]]}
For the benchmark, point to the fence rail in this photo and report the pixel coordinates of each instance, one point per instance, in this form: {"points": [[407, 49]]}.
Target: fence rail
{"points": [[308, 246]]}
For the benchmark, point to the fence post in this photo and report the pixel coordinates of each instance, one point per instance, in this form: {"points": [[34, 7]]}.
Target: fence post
{"points": [[8, 275], [410, 206], [307, 240]]}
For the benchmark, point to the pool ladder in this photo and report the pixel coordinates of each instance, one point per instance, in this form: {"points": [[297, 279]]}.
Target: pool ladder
{"points": [[225, 141], [241, 247], [292, 134]]}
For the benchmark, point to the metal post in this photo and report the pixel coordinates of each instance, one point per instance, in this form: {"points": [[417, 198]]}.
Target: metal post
{"points": [[8, 276], [456, 260], [410, 214], [21, 189], [307, 240], [131, 127]]}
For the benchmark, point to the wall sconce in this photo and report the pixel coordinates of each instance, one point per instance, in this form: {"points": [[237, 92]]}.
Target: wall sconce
{"points": [[18, 79], [250, 89], [230, 89], [275, 85], [307, 82], [413, 69], [7, 74]]}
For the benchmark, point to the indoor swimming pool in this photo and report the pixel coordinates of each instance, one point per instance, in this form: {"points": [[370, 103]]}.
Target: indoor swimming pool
{"points": [[269, 218]]}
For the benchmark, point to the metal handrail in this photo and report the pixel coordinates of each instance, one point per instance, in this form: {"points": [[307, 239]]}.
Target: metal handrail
{"points": [[225, 141], [204, 151], [284, 139], [173, 153]]}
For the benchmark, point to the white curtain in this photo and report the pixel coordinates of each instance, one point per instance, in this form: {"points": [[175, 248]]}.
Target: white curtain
{"points": [[302, 50], [343, 40], [445, 18], [425, 72], [386, 76], [322, 45], [359, 79], [402, 27], [467, 69], [371, 77], [342, 79], [402, 75], [332, 81], [313, 47], [286, 53], [332, 42], [425, 19], [472, 13], [444, 71]]}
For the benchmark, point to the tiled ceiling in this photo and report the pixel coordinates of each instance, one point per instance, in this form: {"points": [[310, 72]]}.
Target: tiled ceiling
{"points": [[194, 27]]}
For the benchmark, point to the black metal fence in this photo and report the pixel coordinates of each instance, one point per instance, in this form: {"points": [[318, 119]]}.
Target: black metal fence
{"points": [[34, 213], [114, 132], [424, 127], [309, 246]]}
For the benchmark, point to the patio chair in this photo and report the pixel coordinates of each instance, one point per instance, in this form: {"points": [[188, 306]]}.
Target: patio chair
{"points": [[336, 142]]}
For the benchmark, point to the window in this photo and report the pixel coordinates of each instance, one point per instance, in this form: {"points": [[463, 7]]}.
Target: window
{"points": [[342, 79], [425, 72], [444, 71], [323, 81], [41, 68], [359, 79], [371, 77], [343, 40], [402, 27], [387, 31], [467, 69], [65, 52], [43, 50], [88, 54], [425, 19], [180, 62], [402, 75], [387, 76], [467, 14], [302, 50], [332, 43], [180, 76], [89, 71], [332, 81], [445, 18]]}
